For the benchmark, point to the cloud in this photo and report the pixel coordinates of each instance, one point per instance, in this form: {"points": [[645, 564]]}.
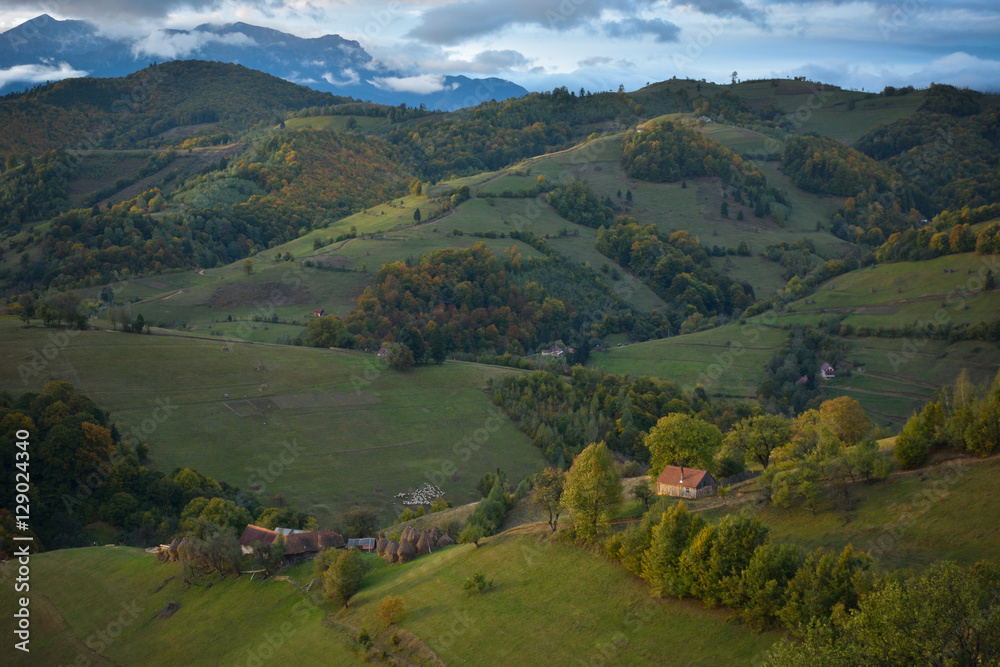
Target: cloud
{"points": [[352, 78], [727, 9], [38, 73], [103, 9], [422, 84], [961, 69], [455, 23], [168, 45], [634, 28]]}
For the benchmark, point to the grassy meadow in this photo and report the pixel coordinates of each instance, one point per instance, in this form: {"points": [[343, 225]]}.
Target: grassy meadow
{"points": [[348, 424], [99, 606]]}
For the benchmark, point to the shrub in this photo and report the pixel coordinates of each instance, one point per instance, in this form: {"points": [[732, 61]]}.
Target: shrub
{"points": [[391, 610], [477, 583]]}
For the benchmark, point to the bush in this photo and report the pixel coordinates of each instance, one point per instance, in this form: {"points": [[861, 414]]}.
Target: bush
{"points": [[391, 610], [477, 583]]}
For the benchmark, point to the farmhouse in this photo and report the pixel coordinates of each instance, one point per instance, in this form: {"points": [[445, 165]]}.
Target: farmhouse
{"points": [[685, 482], [826, 370], [299, 544], [319, 312]]}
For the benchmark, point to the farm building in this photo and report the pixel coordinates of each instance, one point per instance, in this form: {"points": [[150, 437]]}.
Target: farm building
{"points": [[319, 312], [299, 544], [361, 543], [826, 370], [685, 482]]}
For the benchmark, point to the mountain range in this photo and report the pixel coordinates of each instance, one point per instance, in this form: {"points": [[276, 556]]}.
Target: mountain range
{"points": [[45, 49]]}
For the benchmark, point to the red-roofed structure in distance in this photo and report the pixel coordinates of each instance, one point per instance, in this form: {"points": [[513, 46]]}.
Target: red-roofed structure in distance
{"points": [[684, 482], [299, 544]]}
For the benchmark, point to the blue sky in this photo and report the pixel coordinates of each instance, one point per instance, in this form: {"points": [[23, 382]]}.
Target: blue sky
{"points": [[599, 44]]}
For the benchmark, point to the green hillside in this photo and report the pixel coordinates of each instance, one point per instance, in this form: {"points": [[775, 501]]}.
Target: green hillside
{"points": [[330, 428], [100, 606]]}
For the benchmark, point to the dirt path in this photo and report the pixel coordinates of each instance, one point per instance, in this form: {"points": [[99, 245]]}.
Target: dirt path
{"points": [[165, 297], [900, 378]]}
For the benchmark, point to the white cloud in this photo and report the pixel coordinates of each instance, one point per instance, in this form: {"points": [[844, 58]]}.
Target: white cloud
{"points": [[422, 84], [168, 45], [352, 78], [38, 73]]}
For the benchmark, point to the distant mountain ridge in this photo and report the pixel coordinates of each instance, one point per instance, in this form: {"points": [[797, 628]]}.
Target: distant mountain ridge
{"points": [[45, 49]]}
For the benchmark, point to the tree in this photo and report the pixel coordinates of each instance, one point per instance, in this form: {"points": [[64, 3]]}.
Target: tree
{"points": [[342, 578], [477, 583], [847, 419], [593, 490], [668, 540], [360, 522], [643, 491], [325, 331], [472, 533], [547, 493], [248, 266], [138, 324], [682, 440], [758, 436], [824, 581], [399, 356], [724, 209], [416, 215], [761, 592], [913, 442], [416, 188]]}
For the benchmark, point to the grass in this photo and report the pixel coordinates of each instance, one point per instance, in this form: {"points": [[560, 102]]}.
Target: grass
{"points": [[727, 360], [551, 604], [333, 425], [99, 606], [911, 520]]}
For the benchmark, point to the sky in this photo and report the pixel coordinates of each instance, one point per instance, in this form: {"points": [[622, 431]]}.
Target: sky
{"points": [[600, 44]]}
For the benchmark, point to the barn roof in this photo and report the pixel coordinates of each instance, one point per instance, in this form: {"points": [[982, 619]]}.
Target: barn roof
{"points": [[687, 477], [312, 542], [254, 533], [361, 542]]}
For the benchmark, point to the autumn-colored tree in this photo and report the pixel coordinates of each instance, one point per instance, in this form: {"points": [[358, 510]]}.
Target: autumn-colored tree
{"points": [[847, 419], [547, 493], [593, 490], [682, 440]]}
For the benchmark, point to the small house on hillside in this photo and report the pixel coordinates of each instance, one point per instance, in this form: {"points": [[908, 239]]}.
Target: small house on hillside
{"points": [[826, 370], [682, 482], [319, 312]]}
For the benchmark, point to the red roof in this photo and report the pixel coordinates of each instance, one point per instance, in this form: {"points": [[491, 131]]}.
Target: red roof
{"points": [[826, 367], [254, 533], [691, 477]]}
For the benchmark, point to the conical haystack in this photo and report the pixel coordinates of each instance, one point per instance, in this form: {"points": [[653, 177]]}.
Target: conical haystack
{"points": [[405, 553]]}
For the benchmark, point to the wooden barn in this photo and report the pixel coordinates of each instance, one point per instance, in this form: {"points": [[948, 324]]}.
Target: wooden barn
{"points": [[299, 544], [684, 482]]}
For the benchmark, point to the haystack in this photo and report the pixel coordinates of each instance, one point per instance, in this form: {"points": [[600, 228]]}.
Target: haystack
{"points": [[405, 553], [263, 388], [172, 550], [425, 543], [436, 534], [225, 347], [380, 544], [260, 366], [444, 541], [389, 553]]}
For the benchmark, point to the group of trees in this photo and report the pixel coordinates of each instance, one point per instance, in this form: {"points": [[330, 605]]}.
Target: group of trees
{"points": [[948, 233], [791, 376], [32, 188], [494, 134], [963, 416], [736, 564], [452, 300], [563, 417], [489, 514], [676, 267]]}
